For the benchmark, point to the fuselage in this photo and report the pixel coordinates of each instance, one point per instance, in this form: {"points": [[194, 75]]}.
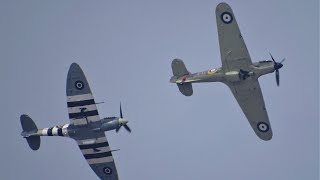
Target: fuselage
{"points": [[70, 130], [255, 70]]}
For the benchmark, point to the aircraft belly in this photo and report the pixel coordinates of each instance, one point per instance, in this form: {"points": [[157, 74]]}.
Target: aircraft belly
{"points": [[232, 76]]}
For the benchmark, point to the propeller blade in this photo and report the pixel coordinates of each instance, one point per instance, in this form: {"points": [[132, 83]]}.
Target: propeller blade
{"points": [[117, 130], [272, 58], [120, 111], [127, 128], [277, 66], [277, 77]]}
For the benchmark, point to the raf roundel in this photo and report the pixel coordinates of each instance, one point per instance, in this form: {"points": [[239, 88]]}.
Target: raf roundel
{"points": [[263, 127], [107, 170], [79, 85], [226, 17]]}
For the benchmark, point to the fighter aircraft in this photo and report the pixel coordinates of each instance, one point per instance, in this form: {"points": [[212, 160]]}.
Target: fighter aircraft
{"points": [[85, 126], [237, 72]]}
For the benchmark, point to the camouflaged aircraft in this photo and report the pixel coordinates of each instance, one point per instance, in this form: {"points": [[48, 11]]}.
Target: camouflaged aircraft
{"points": [[85, 126], [237, 72]]}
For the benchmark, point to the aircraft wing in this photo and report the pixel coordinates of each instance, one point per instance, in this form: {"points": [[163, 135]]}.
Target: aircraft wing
{"points": [[233, 50], [95, 149], [82, 108], [83, 115], [250, 99]]}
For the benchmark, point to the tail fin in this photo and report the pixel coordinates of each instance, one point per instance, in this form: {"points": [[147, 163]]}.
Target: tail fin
{"points": [[29, 128], [179, 70]]}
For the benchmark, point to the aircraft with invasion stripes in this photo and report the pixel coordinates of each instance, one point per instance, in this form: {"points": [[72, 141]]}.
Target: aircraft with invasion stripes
{"points": [[85, 126]]}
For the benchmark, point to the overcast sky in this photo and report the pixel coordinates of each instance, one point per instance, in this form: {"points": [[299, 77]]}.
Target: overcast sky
{"points": [[125, 48]]}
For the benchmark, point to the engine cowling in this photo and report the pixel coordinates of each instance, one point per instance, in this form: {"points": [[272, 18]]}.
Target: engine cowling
{"points": [[111, 125]]}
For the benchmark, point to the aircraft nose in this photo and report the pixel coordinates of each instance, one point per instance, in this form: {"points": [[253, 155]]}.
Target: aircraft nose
{"points": [[280, 65], [123, 121]]}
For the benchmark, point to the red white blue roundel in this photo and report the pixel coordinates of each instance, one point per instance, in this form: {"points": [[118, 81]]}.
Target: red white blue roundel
{"points": [[107, 170], [79, 85], [226, 17], [263, 127]]}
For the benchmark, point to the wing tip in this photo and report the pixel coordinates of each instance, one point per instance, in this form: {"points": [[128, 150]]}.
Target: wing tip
{"points": [[74, 65], [266, 137], [76, 77], [223, 6], [176, 60]]}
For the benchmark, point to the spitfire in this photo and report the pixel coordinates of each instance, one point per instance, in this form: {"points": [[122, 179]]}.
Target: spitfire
{"points": [[85, 126], [237, 72]]}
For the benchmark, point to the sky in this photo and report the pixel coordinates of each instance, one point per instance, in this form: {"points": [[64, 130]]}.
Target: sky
{"points": [[125, 48]]}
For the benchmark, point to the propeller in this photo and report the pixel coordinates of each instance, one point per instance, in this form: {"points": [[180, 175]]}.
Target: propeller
{"points": [[123, 122], [277, 66]]}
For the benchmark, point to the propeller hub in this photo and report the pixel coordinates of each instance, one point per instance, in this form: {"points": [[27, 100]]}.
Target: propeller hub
{"points": [[278, 66], [123, 121]]}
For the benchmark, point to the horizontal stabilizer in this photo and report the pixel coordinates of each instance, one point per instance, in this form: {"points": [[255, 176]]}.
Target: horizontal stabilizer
{"points": [[29, 128], [179, 70], [185, 89], [34, 142]]}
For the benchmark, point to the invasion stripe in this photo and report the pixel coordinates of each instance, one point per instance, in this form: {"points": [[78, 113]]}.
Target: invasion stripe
{"points": [[92, 146], [98, 155], [81, 103], [60, 132], [45, 132], [94, 162], [49, 132], [79, 97], [96, 150], [55, 131], [78, 109], [83, 114], [99, 139]]}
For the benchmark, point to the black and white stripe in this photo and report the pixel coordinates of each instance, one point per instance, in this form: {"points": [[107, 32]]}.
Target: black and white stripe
{"points": [[96, 150], [81, 103], [54, 131], [60, 132], [97, 155], [49, 132], [84, 114], [82, 108], [93, 146]]}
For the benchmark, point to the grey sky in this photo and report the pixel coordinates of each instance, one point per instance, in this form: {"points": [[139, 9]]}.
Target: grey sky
{"points": [[125, 49]]}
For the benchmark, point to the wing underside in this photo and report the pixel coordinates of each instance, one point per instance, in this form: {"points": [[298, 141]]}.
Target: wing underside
{"points": [[233, 50], [82, 108], [235, 57], [98, 154], [83, 115], [249, 97]]}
